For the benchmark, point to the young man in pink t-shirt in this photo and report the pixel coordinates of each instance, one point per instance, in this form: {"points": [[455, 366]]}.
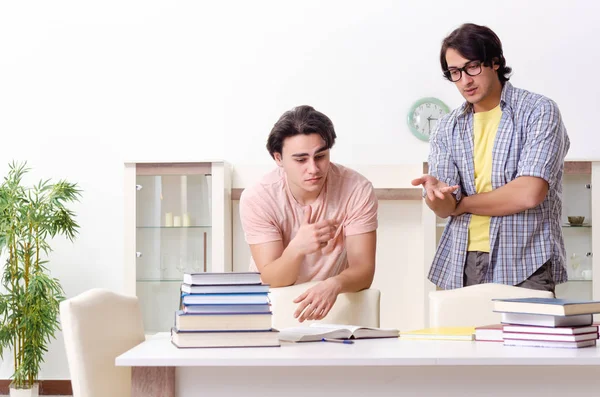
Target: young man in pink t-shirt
{"points": [[310, 219]]}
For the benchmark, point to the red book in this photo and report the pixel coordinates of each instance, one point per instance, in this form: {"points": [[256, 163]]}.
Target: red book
{"points": [[552, 331], [548, 337]]}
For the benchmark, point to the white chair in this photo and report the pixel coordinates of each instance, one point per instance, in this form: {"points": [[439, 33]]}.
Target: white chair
{"points": [[354, 308], [472, 306], [99, 325]]}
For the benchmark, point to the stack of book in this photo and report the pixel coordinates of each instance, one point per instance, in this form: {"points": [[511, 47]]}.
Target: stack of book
{"points": [[224, 310], [548, 322]]}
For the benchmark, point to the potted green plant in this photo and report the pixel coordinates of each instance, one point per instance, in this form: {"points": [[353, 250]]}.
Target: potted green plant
{"points": [[29, 302]]}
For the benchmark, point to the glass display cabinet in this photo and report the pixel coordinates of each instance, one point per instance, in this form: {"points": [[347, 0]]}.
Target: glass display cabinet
{"points": [[178, 220], [576, 224]]}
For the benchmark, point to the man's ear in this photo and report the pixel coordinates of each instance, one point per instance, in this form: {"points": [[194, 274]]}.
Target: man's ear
{"points": [[278, 159], [495, 63]]}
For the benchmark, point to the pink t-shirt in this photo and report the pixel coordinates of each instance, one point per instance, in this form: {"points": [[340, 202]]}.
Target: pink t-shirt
{"points": [[269, 212]]}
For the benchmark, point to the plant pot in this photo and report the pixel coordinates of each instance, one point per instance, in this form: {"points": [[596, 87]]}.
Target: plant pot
{"points": [[31, 392]]}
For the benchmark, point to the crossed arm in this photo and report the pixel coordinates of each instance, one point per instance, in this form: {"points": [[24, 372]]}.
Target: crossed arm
{"points": [[518, 195], [541, 157]]}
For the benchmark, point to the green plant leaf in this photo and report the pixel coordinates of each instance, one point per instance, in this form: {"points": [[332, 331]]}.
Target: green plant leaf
{"points": [[29, 307]]}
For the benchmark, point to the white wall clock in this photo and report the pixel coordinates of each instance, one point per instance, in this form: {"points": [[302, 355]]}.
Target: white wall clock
{"points": [[424, 115]]}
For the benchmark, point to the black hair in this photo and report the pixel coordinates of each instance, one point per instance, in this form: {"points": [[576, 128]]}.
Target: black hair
{"points": [[476, 43], [300, 120]]}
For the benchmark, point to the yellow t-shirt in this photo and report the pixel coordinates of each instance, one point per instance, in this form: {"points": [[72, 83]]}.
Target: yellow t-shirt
{"points": [[485, 126]]}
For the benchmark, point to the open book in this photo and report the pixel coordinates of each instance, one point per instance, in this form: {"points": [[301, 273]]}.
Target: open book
{"points": [[317, 331]]}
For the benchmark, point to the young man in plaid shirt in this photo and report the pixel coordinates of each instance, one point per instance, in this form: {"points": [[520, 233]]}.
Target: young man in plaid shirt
{"points": [[495, 169]]}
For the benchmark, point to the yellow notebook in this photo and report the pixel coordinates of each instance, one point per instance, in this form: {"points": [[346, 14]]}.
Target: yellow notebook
{"points": [[441, 333]]}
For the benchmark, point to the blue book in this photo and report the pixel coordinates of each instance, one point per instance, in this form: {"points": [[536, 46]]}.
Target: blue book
{"points": [[206, 309], [225, 299], [222, 321], [546, 306]]}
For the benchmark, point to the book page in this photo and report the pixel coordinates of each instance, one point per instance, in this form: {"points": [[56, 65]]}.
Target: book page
{"points": [[358, 331], [351, 328], [305, 334]]}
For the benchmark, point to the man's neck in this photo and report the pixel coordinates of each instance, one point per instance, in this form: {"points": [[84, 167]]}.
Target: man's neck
{"points": [[303, 197]]}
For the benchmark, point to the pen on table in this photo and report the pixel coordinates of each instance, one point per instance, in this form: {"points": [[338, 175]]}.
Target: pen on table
{"points": [[344, 341]]}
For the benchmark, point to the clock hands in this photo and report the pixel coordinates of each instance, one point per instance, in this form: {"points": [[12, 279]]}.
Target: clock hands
{"points": [[429, 122]]}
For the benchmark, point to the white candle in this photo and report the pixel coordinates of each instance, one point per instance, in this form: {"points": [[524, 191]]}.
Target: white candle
{"points": [[187, 220], [177, 221], [169, 219]]}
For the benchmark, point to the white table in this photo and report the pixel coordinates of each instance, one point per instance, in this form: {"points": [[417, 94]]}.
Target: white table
{"points": [[384, 367]]}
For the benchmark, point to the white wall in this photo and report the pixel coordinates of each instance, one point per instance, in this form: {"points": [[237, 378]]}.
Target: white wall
{"points": [[85, 86], [365, 65]]}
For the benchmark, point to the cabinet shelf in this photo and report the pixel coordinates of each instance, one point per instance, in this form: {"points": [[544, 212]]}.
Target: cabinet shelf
{"points": [[579, 280]]}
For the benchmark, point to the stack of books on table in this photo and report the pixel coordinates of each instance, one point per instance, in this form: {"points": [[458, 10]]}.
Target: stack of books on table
{"points": [[224, 310], [548, 322]]}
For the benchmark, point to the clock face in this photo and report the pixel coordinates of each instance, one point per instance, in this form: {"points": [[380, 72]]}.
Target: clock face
{"points": [[424, 116]]}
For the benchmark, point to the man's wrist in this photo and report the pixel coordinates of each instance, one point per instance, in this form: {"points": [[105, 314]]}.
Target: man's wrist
{"points": [[463, 202], [336, 284], [293, 253], [461, 207]]}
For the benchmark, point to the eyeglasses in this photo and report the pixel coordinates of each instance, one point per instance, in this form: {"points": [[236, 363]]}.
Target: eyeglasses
{"points": [[472, 68]]}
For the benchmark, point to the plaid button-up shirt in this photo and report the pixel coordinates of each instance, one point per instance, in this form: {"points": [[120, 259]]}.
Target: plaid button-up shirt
{"points": [[531, 141]]}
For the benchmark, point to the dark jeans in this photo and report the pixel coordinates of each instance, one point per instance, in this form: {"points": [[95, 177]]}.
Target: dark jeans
{"points": [[476, 267]]}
